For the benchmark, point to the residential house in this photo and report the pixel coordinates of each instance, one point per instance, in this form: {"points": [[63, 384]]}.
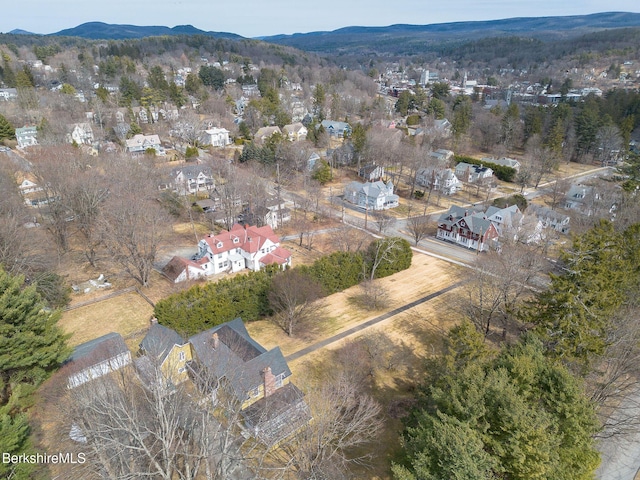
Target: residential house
{"points": [[470, 173], [189, 179], [371, 195], [265, 133], [226, 359], [579, 197], [96, 358], [441, 127], [30, 190], [273, 213], [505, 162], [140, 114], [182, 269], [438, 179], [336, 129], [295, 132], [216, 137], [477, 229], [8, 94], [164, 348], [549, 218], [81, 134], [372, 172], [312, 161], [27, 136], [242, 247], [441, 155], [141, 143]]}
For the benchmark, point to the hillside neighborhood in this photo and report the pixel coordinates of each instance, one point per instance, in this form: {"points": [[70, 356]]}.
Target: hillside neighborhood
{"points": [[226, 258]]}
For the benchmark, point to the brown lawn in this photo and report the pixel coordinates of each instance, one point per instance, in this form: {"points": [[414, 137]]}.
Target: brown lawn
{"points": [[126, 314], [342, 310]]}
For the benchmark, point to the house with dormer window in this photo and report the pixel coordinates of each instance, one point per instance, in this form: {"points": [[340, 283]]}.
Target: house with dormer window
{"points": [[242, 247]]}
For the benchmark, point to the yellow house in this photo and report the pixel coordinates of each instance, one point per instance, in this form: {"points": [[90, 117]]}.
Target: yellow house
{"points": [[164, 347]]}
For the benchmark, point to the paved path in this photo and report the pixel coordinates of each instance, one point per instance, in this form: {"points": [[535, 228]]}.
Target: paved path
{"points": [[368, 323]]}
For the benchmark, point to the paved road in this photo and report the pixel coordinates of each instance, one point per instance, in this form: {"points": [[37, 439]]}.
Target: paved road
{"points": [[358, 328]]}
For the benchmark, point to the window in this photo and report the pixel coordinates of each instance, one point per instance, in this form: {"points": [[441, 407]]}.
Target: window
{"points": [[279, 380], [255, 392], [182, 356], [220, 265]]}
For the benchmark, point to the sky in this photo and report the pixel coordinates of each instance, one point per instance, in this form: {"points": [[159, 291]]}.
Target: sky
{"points": [[253, 18]]}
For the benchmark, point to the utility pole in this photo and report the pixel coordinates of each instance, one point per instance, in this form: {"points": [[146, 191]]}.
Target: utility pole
{"points": [[279, 219]]}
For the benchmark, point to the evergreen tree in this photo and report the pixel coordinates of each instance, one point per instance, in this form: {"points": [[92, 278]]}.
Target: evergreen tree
{"points": [[6, 129], [31, 344], [515, 415], [31, 347]]}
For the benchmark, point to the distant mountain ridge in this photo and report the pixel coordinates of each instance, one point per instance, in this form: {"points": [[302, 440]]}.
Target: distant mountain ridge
{"points": [[381, 39], [397, 39], [106, 31]]}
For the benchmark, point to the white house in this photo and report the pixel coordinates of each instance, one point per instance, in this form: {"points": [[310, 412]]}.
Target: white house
{"points": [[441, 180], [81, 134], [371, 195], [242, 247], [216, 137], [182, 269], [189, 179], [141, 143], [295, 131], [8, 93], [27, 136], [96, 358]]}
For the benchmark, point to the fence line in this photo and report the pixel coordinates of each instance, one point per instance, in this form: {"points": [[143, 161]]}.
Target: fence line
{"points": [[105, 297]]}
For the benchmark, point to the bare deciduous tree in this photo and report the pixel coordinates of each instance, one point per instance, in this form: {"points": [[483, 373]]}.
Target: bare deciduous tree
{"points": [[344, 420], [499, 282], [419, 227], [384, 220], [293, 296], [133, 222]]}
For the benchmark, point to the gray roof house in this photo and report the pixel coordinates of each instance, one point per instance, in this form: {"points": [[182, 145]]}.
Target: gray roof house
{"points": [[441, 180], [189, 179], [96, 358], [371, 195], [336, 129], [226, 357], [470, 173]]}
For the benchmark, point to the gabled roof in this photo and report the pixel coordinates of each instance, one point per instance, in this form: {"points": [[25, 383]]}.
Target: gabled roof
{"points": [[97, 351], [177, 265], [191, 171], [248, 238], [238, 357], [159, 341]]}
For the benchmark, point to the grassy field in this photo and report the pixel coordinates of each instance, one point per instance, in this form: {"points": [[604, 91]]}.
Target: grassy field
{"points": [[412, 336], [126, 314]]}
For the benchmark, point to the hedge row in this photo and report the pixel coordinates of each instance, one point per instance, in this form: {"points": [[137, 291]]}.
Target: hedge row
{"points": [[506, 174], [246, 296]]}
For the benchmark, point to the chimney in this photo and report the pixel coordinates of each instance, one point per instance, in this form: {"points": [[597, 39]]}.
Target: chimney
{"points": [[269, 381], [215, 339]]}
